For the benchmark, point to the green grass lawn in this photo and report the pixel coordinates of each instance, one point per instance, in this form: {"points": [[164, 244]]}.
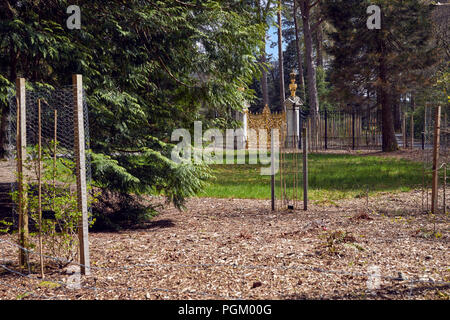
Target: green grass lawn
{"points": [[331, 177]]}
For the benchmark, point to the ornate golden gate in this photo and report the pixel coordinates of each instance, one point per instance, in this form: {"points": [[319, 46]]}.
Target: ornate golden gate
{"points": [[265, 121]]}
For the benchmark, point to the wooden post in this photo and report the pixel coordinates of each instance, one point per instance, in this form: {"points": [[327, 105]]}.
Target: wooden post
{"points": [[326, 129], [305, 169], [444, 201], [412, 131], [21, 156], [55, 139], [41, 258], [272, 177], [436, 147], [79, 143]]}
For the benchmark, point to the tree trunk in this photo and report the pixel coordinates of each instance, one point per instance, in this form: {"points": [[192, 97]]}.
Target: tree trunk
{"points": [[319, 46], [280, 58], [264, 86], [299, 55], [388, 133], [310, 66]]}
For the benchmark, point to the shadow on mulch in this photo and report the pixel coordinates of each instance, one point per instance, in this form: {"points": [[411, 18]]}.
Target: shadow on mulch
{"points": [[387, 293], [159, 224], [128, 226]]}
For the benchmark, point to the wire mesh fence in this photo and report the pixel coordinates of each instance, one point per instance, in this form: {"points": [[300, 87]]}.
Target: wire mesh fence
{"points": [[439, 154], [362, 130], [49, 193], [57, 128], [57, 119], [289, 182]]}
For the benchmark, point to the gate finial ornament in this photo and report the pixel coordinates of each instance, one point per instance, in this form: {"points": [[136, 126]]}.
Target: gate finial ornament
{"points": [[293, 85]]}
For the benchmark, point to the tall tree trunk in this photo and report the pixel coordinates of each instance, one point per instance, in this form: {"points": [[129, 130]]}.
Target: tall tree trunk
{"points": [[319, 46], [310, 66], [264, 86], [299, 54], [388, 133], [280, 58]]}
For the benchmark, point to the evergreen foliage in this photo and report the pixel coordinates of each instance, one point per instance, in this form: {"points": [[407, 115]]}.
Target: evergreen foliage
{"points": [[386, 62], [149, 67]]}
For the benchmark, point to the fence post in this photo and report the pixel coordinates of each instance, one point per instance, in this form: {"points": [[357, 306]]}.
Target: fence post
{"points": [[305, 169], [21, 156], [300, 138], [353, 130], [412, 131], [444, 201], [272, 176], [326, 129], [436, 147], [79, 144], [41, 257]]}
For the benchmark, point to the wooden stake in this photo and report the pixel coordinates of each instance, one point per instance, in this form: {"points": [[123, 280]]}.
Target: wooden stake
{"points": [[83, 232], [272, 178], [282, 146], [412, 131], [55, 139], [444, 201], [423, 187], [21, 156], [305, 170], [436, 149], [41, 258]]}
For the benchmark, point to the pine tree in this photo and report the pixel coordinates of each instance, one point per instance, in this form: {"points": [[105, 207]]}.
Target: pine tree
{"points": [[309, 27], [384, 61]]}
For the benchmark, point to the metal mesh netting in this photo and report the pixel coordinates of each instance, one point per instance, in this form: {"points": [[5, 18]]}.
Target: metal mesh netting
{"points": [[57, 123], [427, 145], [290, 177]]}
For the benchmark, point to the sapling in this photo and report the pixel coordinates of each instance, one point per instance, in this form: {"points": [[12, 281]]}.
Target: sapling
{"points": [[60, 222]]}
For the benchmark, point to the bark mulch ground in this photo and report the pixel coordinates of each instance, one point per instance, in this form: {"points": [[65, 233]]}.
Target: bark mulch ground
{"points": [[239, 249]]}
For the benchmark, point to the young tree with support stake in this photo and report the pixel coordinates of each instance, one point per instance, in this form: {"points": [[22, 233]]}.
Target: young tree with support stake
{"points": [[69, 209], [142, 63]]}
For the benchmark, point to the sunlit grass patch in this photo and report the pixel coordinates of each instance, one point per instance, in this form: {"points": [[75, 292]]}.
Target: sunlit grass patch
{"points": [[331, 177]]}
